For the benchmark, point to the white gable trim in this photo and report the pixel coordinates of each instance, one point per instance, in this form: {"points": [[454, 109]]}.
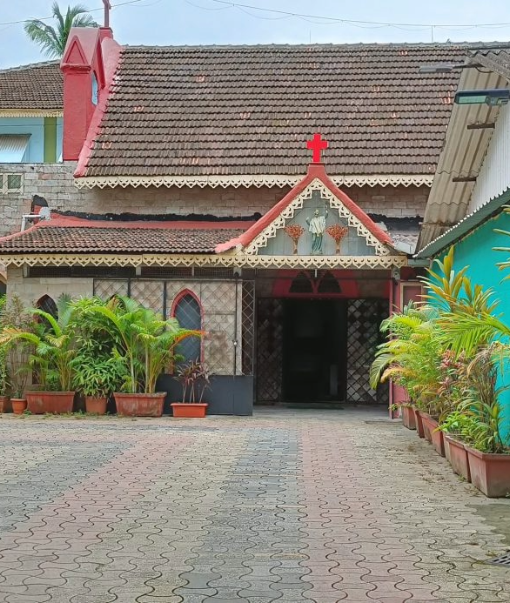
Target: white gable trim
{"points": [[262, 239]]}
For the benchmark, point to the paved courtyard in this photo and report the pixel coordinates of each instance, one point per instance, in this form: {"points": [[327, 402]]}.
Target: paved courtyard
{"points": [[287, 506]]}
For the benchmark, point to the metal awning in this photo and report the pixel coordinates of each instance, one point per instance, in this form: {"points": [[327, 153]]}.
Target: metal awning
{"points": [[13, 147]]}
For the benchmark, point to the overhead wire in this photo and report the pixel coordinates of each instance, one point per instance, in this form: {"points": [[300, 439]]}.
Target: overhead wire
{"points": [[327, 20]]}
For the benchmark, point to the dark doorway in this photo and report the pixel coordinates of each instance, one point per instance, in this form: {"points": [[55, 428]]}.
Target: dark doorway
{"points": [[314, 350]]}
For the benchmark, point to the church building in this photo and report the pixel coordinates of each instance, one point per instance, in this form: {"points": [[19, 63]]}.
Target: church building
{"points": [[269, 195]]}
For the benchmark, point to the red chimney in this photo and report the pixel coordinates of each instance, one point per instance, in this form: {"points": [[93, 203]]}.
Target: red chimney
{"points": [[84, 79]]}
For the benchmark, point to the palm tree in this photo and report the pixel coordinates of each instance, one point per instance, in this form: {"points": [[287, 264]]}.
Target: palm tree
{"points": [[53, 40]]}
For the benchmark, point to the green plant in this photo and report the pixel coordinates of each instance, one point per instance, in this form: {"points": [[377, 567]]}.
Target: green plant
{"points": [[4, 373], [411, 355], [460, 424], [194, 378], [52, 345], [482, 401], [17, 352], [53, 40], [146, 340], [5, 384], [452, 292], [466, 311], [98, 376]]}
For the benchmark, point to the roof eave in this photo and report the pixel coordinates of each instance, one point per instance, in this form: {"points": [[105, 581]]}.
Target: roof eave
{"points": [[463, 228], [461, 157], [248, 180]]}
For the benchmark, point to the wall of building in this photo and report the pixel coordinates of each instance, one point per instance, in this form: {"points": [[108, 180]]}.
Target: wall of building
{"points": [[40, 129], [476, 251], [27, 125], [55, 183], [494, 177], [30, 290]]}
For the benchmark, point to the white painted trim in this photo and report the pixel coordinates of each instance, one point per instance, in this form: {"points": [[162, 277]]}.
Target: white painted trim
{"points": [[199, 261], [31, 113], [262, 239], [247, 181]]}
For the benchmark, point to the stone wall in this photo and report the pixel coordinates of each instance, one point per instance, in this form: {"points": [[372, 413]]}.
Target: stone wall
{"points": [[54, 182], [30, 290], [221, 304]]}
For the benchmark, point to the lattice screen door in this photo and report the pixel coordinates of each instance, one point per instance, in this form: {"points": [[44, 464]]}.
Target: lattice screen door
{"points": [[364, 317]]}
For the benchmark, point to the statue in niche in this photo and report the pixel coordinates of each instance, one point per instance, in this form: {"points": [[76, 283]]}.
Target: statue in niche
{"points": [[317, 227]]}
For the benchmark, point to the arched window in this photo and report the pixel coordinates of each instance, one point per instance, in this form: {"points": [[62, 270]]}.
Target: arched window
{"points": [[47, 304], [188, 312], [329, 284], [95, 89], [301, 284]]}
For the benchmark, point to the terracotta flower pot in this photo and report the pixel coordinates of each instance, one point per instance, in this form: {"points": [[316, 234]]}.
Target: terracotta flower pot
{"points": [[456, 454], [419, 423], [19, 405], [190, 411], [55, 403], [432, 434], [5, 404], [490, 473], [408, 417], [140, 405], [95, 406], [429, 424]]}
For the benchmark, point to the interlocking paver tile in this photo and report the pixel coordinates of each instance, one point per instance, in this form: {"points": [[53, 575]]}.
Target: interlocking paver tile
{"points": [[288, 506]]}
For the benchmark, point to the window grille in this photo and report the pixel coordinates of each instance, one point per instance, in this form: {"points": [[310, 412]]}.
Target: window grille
{"points": [[11, 183], [189, 314], [48, 305]]}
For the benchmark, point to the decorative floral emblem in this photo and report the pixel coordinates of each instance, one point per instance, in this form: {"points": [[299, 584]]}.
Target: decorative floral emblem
{"points": [[295, 232], [337, 233]]}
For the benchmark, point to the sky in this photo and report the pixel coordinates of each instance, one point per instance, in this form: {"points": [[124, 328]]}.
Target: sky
{"points": [[168, 22]]}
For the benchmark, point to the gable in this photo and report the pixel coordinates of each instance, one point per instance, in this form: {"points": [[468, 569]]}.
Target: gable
{"points": [[293, 232]]}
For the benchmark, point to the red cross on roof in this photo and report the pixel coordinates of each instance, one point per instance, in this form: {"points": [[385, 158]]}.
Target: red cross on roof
{"points": [[317, 145]]}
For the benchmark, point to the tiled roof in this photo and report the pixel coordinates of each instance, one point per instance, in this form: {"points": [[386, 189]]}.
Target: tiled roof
{"points": [[38, 86], [250, 109], [68, 235]]}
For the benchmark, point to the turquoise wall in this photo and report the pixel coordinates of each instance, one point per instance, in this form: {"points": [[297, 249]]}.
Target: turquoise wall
{"points": [[477, 252]]}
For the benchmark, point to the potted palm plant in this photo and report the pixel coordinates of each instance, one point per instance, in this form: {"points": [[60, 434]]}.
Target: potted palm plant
{"points": [[53, 341], [4, 375], [409, 357], [97, 376], [17, 353], [5, 401], [457, 427], [194, 378], [147, 344], [488, 454]]}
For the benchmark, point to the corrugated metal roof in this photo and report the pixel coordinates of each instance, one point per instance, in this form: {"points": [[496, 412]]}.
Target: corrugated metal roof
{"points": [[13, 147], [461, 158], [465, 226], [464, 150]]}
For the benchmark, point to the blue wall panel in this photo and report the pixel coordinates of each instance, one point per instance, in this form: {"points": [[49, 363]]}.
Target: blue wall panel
{"points": [[27, 125]]}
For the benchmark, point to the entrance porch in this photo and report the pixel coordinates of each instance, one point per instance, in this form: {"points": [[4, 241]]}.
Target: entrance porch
{"points": [[316, 335]]}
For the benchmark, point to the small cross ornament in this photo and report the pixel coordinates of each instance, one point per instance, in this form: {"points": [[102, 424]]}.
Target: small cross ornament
{"points": [[317, 145]]}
